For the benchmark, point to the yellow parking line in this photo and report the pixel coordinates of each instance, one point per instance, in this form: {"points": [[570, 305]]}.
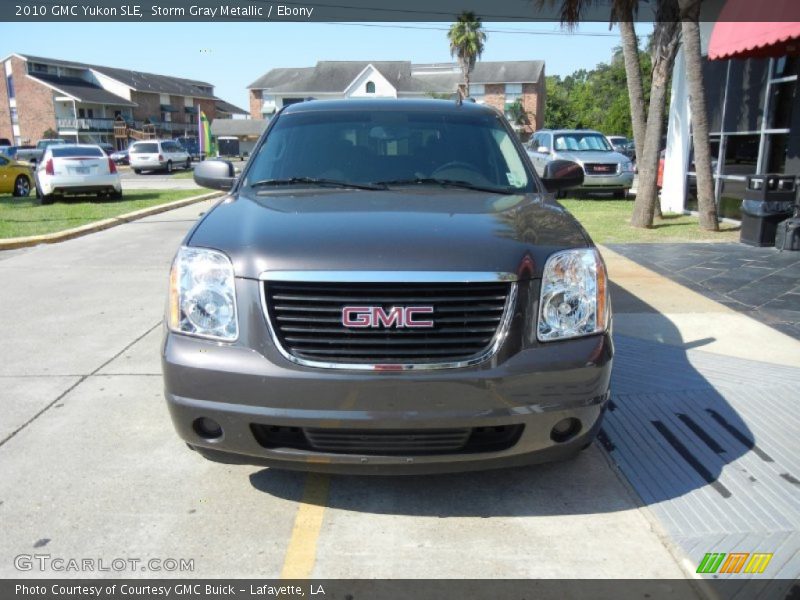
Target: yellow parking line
{"points": [[301, 554]]}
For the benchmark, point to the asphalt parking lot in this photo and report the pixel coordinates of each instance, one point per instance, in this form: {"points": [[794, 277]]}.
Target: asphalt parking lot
{"points": [[149, 180], [92, 468]]}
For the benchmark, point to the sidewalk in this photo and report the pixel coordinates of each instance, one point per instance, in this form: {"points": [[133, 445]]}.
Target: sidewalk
{"points": [[703, 420]]}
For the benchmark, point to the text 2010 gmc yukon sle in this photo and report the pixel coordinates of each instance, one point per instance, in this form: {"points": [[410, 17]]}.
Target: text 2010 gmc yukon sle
{"points": [[388, 287]]}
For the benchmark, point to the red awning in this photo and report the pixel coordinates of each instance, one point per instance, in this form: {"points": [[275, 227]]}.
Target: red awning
{"points": [[741, 32]]}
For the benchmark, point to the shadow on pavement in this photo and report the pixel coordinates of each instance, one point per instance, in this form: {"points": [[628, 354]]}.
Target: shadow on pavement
{"points": [[669, 429]]}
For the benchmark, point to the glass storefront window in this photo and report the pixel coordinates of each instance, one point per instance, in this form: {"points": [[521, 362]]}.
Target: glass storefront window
{"points": [[777, 148], [741, 154], [730, 198], [785, 66], [780, 105]]}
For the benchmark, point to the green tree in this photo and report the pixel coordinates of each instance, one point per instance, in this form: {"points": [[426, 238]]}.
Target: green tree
{"points": [[706, 204], [467, 41], [664, 44]]}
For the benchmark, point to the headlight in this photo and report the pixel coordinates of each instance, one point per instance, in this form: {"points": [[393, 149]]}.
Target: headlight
{"points": [[574, 296], [202, 297], [627, 167]]}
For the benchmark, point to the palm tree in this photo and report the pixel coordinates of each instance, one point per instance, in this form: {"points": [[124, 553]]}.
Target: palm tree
{"points": [[706, 205], [646, 130], [467, 40], [665, 41]]}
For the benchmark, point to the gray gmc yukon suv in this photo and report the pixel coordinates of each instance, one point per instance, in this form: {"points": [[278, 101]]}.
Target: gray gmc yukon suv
{"points": [[387, 287]]}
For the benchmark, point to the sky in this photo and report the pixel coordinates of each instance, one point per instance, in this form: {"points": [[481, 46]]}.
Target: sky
{"points": [[232, 55]]}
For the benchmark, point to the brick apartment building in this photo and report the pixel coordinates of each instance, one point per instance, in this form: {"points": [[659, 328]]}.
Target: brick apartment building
{"points": [[516, 88], [91, 103]]}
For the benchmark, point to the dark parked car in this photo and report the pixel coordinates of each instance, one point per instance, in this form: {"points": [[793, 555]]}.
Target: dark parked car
{"points": [[11, 151], [121, 157], [388, 287], [192, 147]]}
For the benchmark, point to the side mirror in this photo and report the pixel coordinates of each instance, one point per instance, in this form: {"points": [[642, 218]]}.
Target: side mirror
{"points": [[215, 174], [561, 175], [543, 150]]}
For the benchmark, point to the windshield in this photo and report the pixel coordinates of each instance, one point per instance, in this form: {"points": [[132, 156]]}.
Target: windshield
{"points": [[144, 148], [394, 147], [582, 142], [81, 151]]}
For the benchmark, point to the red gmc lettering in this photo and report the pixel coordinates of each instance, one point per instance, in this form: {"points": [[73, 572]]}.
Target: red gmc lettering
{"points": [[376, 316]]}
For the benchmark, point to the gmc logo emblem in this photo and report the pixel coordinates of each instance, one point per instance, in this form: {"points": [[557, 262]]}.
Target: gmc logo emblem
{"points": [[375, 316]]}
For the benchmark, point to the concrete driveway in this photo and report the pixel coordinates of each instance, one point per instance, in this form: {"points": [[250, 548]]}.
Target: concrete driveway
{"points": [[92, 468]]}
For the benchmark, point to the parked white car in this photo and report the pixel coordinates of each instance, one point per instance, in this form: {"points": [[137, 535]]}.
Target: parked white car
{"points": [[153, 155], [70, 169]]}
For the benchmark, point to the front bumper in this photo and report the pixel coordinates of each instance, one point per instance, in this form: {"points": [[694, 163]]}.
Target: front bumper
{"points": [[612, 182], [249, 385]]}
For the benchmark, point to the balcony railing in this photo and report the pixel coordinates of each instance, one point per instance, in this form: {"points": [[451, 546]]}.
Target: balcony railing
{"points": [[85, 124], [102, 125]]}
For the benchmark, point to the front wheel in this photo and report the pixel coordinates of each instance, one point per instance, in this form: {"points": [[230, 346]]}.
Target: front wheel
{"points": [[169, 166], [22, 186], [137, 171]]}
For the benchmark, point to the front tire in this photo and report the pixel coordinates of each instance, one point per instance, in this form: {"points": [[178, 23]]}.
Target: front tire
{"points": [[137, 171], [22, 187]]}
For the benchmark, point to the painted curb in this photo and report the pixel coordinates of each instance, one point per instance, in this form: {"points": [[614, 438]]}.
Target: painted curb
{"points": [[68, 234]]}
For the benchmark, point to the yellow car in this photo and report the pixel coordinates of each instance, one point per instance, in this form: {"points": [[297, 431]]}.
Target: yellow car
{"points": [[15, 177]]}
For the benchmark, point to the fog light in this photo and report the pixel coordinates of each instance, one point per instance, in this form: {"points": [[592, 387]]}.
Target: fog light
{"points": [[565, 429], [207, 428]]}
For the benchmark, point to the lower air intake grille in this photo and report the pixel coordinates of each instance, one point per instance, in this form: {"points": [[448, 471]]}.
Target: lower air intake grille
{"points": [[387, 442]]}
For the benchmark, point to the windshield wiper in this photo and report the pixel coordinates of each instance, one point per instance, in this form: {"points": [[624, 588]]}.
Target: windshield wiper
{"points": [[317, 181], [447, 183]]}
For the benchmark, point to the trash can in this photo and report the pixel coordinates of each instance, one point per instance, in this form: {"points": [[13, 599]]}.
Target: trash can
{"points": [[768, 200]]}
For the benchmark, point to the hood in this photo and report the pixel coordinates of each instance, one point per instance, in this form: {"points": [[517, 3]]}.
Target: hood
{"points": [[405, 230], [591, 156]]}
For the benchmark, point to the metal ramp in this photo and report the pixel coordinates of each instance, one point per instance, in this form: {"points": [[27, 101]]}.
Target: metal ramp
{"points": [[712, 446]]}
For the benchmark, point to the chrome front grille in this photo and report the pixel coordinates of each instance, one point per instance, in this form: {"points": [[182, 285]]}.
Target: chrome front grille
{"points": [[469, 321], [601, 168]]}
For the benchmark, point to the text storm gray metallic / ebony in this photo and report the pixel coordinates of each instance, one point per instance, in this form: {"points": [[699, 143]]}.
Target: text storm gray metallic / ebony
{"points": [[388, 287]]}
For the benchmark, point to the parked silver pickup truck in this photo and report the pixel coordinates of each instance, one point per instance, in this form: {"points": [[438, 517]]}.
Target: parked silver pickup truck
{"points": [[33, 155]]}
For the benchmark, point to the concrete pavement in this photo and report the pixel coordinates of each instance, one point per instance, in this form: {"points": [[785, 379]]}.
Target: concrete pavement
{"points": [[92, 468]]}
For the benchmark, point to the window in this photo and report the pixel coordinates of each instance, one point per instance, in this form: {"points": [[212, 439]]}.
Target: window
{"points": [[513, 92], [145, 148], [10, 86], [14, 116], [580, 142], [777, 149], [66, 151], [370, 87], [379, 146], [780, 105]]}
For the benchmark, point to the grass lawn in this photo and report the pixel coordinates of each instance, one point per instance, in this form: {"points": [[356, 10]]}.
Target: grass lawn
{"points": [[607, 221], [25, 216]]}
